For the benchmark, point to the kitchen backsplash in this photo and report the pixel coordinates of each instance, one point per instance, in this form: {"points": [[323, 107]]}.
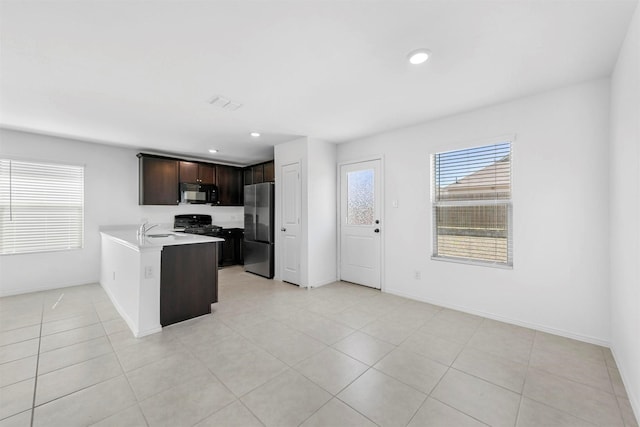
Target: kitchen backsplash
{"points": [[165, 214]]}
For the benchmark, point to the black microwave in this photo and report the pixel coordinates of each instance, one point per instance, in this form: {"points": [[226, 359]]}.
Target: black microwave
{"points": [[198, 193]]}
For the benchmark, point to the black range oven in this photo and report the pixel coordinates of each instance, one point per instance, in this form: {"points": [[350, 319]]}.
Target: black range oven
{"points": [[196, 224]]}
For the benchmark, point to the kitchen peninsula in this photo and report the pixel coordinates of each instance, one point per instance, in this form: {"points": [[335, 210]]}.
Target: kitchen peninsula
{"points": [[160, 278]]}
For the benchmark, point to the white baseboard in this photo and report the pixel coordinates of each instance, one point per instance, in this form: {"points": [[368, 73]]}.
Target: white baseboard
{"points": [[634, 399], [327, 282], [123, 314], [12, 292], [141, 334], [530, 325]]}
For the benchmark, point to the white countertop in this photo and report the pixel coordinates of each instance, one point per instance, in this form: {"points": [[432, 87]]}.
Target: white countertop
{"points": [[127, 235]]}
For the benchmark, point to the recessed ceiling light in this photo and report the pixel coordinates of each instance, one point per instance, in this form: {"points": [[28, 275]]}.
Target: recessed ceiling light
{"points": [[419, 56], [213, 151], [255, 134]]}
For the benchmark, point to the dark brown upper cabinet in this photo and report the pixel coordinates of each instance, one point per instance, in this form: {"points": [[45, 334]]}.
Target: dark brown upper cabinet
{"points": [[158, 181], [248, 176], [269, 172], [256, 174], [197, 173], [230, 189]]}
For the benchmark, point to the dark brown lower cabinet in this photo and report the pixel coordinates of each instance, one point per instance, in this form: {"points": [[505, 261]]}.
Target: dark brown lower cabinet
{"points": [[188, 281], [231, 249]]}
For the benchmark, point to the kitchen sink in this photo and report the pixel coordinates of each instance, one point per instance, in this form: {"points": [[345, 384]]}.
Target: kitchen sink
{"points": [[161, 235]]}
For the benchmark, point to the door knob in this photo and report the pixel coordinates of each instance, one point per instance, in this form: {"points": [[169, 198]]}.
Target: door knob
{"points": [[377, 230], [283, 229]]}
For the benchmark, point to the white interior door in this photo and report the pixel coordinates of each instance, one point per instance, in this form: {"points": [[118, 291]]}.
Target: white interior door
{"points": [[360, 227], [290, 229]]}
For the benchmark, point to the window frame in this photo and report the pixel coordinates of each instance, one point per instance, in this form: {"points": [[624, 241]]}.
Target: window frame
{"points": [[508, 203], [80, 193]]}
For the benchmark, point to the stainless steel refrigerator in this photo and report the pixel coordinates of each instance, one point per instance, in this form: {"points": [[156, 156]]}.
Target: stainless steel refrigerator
{"points": [[258, 229]]}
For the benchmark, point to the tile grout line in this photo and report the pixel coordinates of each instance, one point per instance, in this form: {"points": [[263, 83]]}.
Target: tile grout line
{"points": [[383, 373], [17, 342], [615, 396], [458, 410], [124, 374], [347, 386], [35, 379], [479, 377], [75, 363], [292, 368], [83, 388], [524, 383], [426, 396], [237, 398], [68, 394], [294, 330], [250, 411], [554, 375], [449, 367], [75, 328], [195, 356]]}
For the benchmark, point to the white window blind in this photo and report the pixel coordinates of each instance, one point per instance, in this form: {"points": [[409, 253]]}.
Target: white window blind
{"points": [[472, 211], [41, 207]]}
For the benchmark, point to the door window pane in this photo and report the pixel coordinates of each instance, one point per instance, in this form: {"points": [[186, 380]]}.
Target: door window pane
{"points": [[360, 197]]}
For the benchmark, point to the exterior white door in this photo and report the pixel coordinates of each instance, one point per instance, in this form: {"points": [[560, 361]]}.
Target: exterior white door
{"points": [[290, 229], [360, 225]]}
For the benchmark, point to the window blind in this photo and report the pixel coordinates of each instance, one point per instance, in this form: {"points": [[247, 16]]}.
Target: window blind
{"points": [[41, 207], [472, 211]]}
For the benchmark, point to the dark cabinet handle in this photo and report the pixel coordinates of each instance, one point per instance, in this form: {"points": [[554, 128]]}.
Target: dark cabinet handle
{"points": [[377, 230]]}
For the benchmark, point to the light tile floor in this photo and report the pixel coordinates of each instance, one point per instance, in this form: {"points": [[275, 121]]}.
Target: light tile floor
{"points": [[276, 355]]}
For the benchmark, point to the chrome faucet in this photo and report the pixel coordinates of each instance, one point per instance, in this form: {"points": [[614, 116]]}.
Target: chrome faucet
{"points": [[144, 228]]}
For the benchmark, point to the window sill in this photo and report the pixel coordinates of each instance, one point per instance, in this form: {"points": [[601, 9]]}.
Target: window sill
{"points": [[472, 262]]}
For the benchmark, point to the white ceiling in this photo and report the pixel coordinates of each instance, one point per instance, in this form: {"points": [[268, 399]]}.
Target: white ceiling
{"points": [[141, 73]]}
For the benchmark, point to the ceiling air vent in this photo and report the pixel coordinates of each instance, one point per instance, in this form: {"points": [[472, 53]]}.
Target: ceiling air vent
{"points": [[224, 103]]}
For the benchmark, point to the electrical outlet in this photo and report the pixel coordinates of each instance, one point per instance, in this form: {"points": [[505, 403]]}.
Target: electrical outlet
{"points": [[417, 275], [148, 272]]}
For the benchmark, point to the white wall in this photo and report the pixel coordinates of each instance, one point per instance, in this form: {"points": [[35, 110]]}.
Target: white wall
{"points": [[111, 198], [559, 282], [624, 167], [318, 208], [322, 207]]}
